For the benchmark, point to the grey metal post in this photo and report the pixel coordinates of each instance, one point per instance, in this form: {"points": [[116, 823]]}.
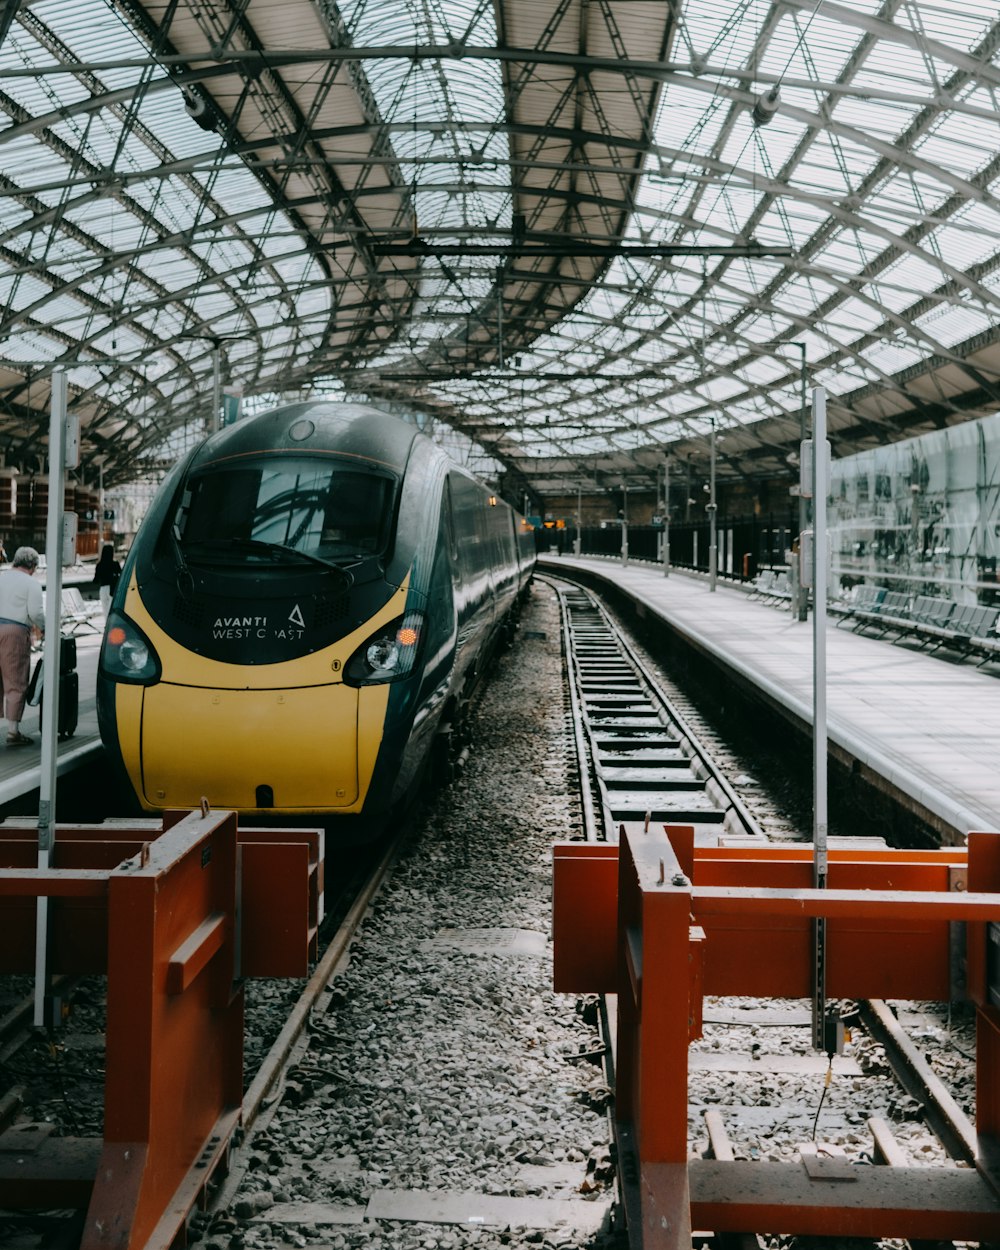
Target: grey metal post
{"points": [[666, 517], [820, 824], [624, 523], [713, 551], [216, 421], [50, 682], [578, 540], [802, 606]]}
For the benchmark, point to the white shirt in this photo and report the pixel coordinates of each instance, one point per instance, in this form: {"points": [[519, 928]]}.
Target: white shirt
{"points": [[21, 598]]}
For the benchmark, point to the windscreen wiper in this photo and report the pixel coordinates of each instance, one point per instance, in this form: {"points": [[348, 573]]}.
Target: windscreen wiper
{"points": [[280, 550], [185, 581]]}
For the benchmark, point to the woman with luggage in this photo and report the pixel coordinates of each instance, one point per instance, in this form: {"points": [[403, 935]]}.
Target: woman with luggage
{"points": [[22, 608]]}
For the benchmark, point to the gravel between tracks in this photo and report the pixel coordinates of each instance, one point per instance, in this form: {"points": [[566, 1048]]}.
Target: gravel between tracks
{"points": [[446, 1063]]}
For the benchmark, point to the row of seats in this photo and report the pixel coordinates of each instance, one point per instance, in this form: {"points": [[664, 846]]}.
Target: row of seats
{"points": [[926, 619], [772, 586], [78, 613]]}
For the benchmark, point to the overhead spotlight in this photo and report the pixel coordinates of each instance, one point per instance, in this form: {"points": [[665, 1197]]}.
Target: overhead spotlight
{"points": [[766, 106], [198, 109]]}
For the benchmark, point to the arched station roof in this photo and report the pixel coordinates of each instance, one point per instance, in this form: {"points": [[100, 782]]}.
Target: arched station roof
{"points": [[579, 232]]}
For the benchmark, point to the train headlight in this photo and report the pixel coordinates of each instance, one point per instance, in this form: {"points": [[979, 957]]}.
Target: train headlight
{"points": [[127, 654], [389, 655]]}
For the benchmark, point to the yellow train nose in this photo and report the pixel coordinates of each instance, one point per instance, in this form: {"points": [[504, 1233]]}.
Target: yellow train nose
{"points": [[245, 749]]}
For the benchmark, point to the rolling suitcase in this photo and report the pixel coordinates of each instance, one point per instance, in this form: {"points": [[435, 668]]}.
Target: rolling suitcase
{"points": [[69, 703], [69, 690]]}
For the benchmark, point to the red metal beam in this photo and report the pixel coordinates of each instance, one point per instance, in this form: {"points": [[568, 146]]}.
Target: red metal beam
{"points": [[160, 915], [744, 926]]}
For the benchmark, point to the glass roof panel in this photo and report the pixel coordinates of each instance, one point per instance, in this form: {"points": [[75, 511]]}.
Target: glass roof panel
{"points": [[861, 195]]}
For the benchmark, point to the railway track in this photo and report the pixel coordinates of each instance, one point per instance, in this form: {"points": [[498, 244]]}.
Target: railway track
{"points": [[641, 754], [754, 1082], [54, 1077], [644, 760]]}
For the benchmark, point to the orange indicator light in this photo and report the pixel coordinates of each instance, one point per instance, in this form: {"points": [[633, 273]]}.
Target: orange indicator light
{"points": [[116, 636], [406, 637]]}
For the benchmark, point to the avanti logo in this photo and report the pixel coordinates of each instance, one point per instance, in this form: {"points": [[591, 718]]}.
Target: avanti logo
{"points": [[295, 616]]}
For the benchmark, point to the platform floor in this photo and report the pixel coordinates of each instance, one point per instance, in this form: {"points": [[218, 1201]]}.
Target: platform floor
{"points": [[928, 724], [20, 768]]}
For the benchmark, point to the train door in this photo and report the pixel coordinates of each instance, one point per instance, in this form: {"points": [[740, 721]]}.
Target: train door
{"points": [[473, 585]]}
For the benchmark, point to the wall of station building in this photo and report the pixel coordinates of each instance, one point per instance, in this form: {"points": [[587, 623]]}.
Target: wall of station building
{"points": [[688, 500], [24, 502], [921, 515], [24, 510]]}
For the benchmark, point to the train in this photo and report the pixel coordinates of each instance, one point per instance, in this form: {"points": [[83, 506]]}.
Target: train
{"points": [[303, 617]]}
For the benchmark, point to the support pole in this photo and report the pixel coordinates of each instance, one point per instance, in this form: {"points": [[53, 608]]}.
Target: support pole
{"points": [[624, 524], [499, 282], [578, 539], [216, 422], [713, 550], [802, 607], [666, 517], [50, 682], [820, 823]]}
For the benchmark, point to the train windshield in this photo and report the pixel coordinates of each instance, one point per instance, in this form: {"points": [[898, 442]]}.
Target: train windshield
{"points": [[318, 509]]}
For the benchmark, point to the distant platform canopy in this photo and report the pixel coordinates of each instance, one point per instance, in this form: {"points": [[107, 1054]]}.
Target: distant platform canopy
{"points": [[578, 233]]}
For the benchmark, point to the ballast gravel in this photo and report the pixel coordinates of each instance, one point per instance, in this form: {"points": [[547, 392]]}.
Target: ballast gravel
{"points": [[446, 1069], [445, 1100]]}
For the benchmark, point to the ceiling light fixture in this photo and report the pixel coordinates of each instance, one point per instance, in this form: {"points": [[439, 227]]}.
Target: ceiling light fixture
{"points": [[766, 106]]}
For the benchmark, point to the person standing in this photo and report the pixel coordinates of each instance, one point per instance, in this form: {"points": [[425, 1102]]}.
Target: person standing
{"points": [[22, 608], [107, 571]]}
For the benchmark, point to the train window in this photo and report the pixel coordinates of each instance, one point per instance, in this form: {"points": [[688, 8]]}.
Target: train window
{"points": [[449, 521], [469, 523], [321, 508]]}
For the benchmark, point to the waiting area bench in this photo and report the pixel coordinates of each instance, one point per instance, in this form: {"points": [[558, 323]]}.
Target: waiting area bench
{"points": [[77, 613], [927, 620], [772, 586]]}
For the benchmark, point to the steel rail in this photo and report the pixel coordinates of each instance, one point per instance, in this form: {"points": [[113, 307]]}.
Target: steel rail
{"points": [[284, 1048], [316, 989], [944, 1117], [584, 760], [638, 694], [953, 1128]]}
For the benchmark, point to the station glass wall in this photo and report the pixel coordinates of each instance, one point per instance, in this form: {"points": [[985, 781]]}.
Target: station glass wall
{"points": [[922, 515]]}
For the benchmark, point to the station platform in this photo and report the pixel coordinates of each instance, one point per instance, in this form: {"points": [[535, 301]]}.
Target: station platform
{"points": [[20, 768], [926, 725]]}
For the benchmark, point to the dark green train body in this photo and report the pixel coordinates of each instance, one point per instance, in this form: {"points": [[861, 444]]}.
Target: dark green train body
{"points": [[306, 606]]}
